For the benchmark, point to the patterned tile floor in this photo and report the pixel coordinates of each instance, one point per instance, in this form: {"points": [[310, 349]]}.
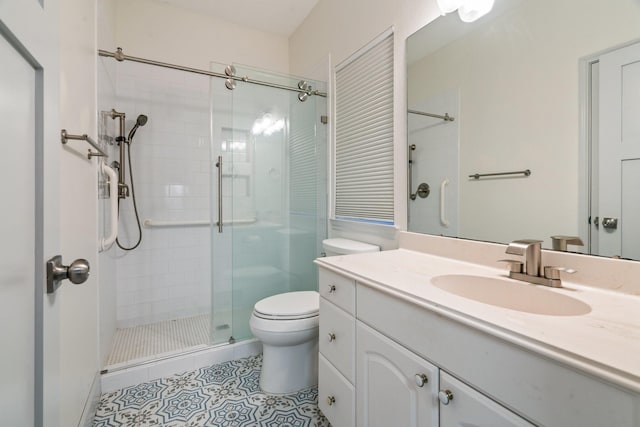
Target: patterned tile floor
{"points": [[226, 395]]}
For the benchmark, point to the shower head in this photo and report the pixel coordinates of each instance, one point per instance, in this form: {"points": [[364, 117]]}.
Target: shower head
{"points": [[140, 121]]}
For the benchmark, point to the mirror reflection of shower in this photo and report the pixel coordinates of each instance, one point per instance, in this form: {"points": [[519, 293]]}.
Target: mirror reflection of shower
{"points": [[120, 166]]}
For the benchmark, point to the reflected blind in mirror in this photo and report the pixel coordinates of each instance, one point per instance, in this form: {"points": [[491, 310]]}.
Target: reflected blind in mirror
{"points": [[364, 135]]}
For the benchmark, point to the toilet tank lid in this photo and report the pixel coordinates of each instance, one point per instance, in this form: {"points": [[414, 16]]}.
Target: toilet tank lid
{"points": [[289, 304], [346, 246]]}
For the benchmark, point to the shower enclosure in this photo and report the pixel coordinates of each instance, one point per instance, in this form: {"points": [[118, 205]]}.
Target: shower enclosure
{"points": [[231, 190]]}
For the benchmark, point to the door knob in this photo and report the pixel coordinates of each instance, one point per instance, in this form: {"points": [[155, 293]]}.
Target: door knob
{"points": [[610, 223], [77, 272]]}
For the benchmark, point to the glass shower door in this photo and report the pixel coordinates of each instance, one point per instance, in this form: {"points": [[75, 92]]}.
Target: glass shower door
{"points": [[274, 192]]}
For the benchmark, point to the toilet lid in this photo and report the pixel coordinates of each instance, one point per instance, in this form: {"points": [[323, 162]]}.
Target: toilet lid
{"points": [[290, 305]]}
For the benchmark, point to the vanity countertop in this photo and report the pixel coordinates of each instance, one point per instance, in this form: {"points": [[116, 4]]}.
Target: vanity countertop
{"points": [[604, 342]]}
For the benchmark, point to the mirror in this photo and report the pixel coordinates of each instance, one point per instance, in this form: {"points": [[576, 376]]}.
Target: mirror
{"points": [[528, 92]]}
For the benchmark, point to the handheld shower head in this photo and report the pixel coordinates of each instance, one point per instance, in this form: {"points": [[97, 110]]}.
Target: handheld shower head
{"points": [[140, 121]]}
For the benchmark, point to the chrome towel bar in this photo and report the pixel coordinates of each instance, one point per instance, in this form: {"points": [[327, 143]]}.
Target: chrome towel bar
{"points": [[446, 117], [526, 172], [65, 137]]}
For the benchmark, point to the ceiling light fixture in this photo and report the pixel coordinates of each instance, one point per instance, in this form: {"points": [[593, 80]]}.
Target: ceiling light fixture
{"points": [[471, 10], [468, 10]]}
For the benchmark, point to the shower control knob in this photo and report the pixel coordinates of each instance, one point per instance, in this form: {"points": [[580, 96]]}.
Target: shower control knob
{"points": [[331, 400], [332, 337], [421, 380], [332, 288]]}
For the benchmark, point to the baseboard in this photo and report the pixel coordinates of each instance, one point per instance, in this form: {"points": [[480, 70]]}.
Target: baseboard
{"points": [[91, 404]]}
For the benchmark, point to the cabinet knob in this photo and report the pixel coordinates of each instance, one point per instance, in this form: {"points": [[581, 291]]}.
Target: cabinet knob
{"points": [[332, 337], [331, 400], [445, 396], [421, 380], [332, 288]]}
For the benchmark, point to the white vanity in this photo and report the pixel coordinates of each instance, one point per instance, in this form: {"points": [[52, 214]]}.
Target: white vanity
{"points": [[396, 350]]}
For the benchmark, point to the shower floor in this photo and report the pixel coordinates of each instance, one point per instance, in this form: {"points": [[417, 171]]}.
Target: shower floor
{"points": [[145, 342]]}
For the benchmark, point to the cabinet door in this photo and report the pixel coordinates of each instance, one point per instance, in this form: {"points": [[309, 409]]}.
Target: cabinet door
{"points": [[460, 405], [394, 386]]}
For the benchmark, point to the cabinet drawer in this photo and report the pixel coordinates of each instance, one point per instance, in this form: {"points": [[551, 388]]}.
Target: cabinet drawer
{"points": [[337, 338], [338, 289], [336, 396]]}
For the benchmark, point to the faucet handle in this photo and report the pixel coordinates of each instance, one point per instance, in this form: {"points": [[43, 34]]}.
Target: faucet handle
{"points": [[551, 272], [514, 265], [560, 242]]}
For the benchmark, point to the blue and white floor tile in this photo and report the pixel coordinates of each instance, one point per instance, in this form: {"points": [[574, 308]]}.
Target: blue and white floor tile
{"points": [[226, 395]]}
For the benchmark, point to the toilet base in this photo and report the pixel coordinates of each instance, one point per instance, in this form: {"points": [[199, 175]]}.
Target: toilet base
{"points": [[289, 369]]}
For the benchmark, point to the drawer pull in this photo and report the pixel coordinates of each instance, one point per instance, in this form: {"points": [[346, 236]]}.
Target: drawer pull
{"points": [[332, 288], [421, 380], [331, 400], [445, 396], [332, 337]]}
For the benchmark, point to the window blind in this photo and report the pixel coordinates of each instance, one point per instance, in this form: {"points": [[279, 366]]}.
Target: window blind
{"points": [[364, 136]]}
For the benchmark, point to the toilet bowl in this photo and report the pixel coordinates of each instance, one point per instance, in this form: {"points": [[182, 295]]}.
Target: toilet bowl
{"points": [[287, 325]]}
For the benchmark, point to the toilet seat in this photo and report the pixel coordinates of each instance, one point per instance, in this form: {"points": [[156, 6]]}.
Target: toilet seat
{"points": [[288, 306]]}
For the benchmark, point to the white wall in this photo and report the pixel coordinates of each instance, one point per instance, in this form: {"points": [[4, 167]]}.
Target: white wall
{"points": [[78, 203], [354, 23], [168, 275], [154, 30], [336, 29]]}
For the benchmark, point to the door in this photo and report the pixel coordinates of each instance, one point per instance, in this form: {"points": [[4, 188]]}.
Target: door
{"points": [[395, 386], [271, 181], [29, 172], [619, 153]]}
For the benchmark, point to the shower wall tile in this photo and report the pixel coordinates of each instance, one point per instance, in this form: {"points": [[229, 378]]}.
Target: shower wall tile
{"points": [[169, 274]]}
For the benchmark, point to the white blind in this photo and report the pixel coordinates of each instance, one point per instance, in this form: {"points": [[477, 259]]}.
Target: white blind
{"points": [[364, 136]]}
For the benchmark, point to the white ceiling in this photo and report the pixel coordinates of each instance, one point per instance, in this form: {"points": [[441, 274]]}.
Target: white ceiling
{"points": [[273, 16]]}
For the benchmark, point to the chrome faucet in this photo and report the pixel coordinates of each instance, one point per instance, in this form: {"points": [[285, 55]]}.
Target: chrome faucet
{"points": [[534, 272]]}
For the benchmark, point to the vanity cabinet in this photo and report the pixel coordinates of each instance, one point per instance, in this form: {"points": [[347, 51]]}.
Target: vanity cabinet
{"points": [[415, 366]]}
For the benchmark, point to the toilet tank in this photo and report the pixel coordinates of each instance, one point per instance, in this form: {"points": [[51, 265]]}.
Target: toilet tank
{"points": [[340, 246]]}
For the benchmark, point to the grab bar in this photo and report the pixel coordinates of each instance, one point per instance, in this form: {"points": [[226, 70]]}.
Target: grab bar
{"points": [[65, 137], [151, 223], [106, 242], [412, 195], [219, 166], [443, 217], [525, 172], [446, 117]]}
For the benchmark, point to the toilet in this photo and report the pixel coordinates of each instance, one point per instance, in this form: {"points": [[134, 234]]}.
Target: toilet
{"points": [[287, 325]]}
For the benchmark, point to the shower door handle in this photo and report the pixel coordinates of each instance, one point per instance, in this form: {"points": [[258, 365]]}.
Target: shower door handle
{"points": [[219, 166]]}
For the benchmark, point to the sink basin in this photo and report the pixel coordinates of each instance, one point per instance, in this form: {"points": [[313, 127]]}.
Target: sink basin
{"points": [[511, 294]]}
